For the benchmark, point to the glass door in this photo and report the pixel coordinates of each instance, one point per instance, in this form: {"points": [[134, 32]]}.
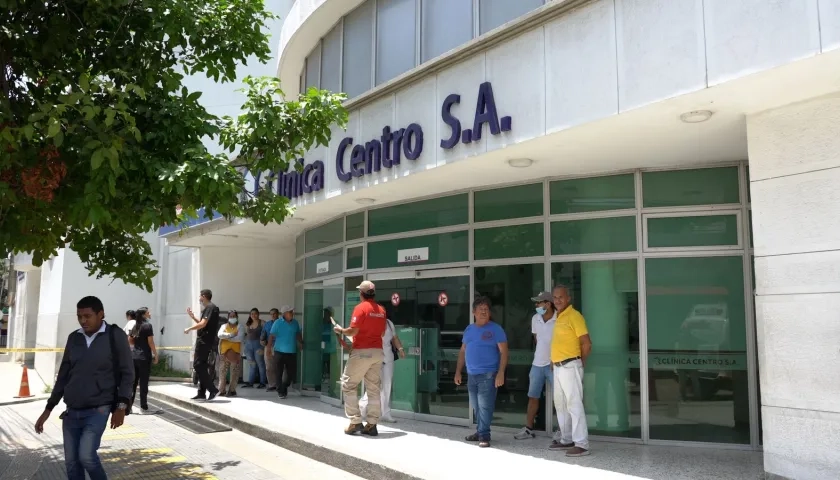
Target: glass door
{"points": [[430, 310], [331, 359]]}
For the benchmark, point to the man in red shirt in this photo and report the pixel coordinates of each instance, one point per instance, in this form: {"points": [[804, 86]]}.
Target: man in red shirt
{"points": [[367, 328]]}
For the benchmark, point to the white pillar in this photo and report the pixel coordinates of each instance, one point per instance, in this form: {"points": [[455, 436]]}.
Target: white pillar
{"points": [[794, 158]]}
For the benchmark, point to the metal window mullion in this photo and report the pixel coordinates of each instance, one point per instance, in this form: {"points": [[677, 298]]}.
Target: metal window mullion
{"points": [[476, 23], [644, 378], [374, 36], [546, 216], [418, 12], [749, 298], [510, 222], [562, 217], [471, 230], [341, 56]]}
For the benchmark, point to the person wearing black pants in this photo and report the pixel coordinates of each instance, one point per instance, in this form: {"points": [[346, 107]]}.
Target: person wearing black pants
{"points": [[285, 362], [144, 354], [206, 343], [283, 343]]}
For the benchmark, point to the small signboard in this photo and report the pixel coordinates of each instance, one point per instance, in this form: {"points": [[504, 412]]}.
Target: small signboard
{"points": [[395, 299], [443, 299], [322, 268], [413, 255]]}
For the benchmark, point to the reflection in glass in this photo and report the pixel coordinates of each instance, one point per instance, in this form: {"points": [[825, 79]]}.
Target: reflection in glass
{"points": [[697, 349], [408, 217], [702, 186], [495, 13], [431, 335], [330, 349], [446, 25], [358, 38], [606, 293], [325, 235], [513, 241], [309, 358], [692, 231], [579, 195], [510, 289], [395, 28], [322, 264]]}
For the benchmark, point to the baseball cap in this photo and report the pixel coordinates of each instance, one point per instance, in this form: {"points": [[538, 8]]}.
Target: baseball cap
{"points": [[286, 308], [366, 287], [543, 297]]}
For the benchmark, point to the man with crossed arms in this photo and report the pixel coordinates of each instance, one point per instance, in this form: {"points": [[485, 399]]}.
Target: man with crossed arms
{"points": [[570, 346]]}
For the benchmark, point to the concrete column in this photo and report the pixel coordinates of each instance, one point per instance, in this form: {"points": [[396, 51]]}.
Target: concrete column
{"points": [[794, 158]]}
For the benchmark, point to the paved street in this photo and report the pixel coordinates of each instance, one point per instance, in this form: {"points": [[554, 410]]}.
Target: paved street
{"points": [[150, 448]]}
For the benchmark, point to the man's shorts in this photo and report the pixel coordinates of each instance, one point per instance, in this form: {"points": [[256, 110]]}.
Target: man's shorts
{"points": [[536, 380]]}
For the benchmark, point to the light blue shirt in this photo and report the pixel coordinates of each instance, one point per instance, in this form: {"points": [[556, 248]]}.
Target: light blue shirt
{"points": [[285, 335]]}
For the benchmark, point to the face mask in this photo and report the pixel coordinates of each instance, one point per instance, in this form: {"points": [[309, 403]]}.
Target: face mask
{"points": [[541, 310], [233, 321]]}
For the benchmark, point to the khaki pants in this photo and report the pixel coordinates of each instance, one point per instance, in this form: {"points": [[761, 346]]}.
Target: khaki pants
{"points": [[226, 365], [364, 364]]}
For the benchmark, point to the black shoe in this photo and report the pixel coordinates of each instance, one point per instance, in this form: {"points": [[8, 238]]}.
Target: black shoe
{"points": [[200, 396], [231, 394], [282, 397], [247, 385], [271, 389], [262, 385], [370, 430], [212, 395]]}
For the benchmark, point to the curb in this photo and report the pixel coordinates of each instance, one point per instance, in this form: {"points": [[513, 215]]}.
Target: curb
{"points": [[19, 401], [356, 466], [171, 379]]}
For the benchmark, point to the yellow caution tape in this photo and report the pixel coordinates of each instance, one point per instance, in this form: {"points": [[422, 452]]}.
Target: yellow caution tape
{"points": [[54, 349]]}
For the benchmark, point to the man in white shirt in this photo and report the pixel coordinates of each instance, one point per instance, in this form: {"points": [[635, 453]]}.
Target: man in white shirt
{"points": [[542, 328]]}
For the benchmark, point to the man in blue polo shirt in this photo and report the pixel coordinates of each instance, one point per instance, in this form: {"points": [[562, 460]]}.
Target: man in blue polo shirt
{"points": [[484, 349], [283, 343]]}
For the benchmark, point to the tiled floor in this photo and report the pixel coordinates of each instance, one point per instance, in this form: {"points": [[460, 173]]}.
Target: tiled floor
{"points": [[433, 451]]}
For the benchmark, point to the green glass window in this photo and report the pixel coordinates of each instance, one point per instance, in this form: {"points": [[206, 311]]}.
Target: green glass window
{"points": [[299, 270], [704, 186], [442, 248], [595, 235], [606, 292], [311, 368], [510, 288], [323, 264], [408, 217], [749, 196], [355, 226], [697, 355], [355, 257], [325, 235], [510, 202], [509, 242], [697, 231], [594, 194], [299, 251]]}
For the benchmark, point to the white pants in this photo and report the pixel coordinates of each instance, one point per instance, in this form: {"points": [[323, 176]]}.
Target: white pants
{"points": [[568, 402], [387, 378]]}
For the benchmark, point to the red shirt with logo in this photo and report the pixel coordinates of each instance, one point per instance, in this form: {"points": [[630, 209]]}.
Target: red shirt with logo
{"points": [[369, 318]]}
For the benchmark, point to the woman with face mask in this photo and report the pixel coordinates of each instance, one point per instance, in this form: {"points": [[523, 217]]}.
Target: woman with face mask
{"points": [[230, 354], [254, 351]]}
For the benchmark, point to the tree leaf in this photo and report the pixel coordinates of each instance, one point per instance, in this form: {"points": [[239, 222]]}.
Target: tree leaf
{"points": [[97, 158], [54, 127]]}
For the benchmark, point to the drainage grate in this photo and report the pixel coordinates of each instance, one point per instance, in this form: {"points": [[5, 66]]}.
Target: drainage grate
{"points": [[187, 420]]}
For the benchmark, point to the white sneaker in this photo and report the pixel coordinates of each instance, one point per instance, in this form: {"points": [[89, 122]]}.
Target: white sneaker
{"points": [[524, 434], [387, 419]]}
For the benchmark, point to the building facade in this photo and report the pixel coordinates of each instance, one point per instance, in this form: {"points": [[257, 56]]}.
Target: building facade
{"points": [[675, 163]]}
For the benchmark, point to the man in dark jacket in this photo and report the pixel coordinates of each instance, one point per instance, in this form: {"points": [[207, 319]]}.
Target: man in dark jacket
{"points": [[206, 344], [95, 379]]}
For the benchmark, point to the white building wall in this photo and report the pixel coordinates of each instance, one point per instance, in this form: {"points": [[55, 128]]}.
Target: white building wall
{"points": [[179, 290], [244, 278], [794, 158], [49, 309], [24, 314]]}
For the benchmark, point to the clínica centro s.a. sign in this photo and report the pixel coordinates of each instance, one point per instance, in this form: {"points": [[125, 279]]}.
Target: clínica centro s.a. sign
{"points": [[355, 159]]}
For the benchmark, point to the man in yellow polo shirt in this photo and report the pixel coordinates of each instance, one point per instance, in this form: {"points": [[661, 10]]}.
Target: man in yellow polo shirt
{"points": [[570, 345]]}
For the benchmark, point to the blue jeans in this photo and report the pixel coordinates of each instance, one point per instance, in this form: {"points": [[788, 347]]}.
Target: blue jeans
{"points": [[251, 348], [482, 388], [83, 431]]}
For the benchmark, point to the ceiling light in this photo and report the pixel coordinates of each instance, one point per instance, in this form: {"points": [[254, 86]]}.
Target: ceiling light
{"points": [[697, 116], [520, 162], [365, 201]]}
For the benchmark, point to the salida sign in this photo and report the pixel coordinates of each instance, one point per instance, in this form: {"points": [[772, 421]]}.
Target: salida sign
{"points": [[388, 150]]}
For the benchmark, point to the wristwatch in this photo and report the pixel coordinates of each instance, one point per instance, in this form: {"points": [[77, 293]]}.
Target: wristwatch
{"points": [[122, 406]]}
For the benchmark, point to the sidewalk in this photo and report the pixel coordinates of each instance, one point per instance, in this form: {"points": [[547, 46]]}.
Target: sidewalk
{"points": [[10, 375], [411, 449]]}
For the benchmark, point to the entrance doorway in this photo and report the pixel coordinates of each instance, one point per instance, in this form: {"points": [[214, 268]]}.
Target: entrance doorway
{"points": [[430, 310]]}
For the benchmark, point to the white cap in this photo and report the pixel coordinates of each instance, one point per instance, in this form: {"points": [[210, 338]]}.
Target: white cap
{"points": [[286, 308]]}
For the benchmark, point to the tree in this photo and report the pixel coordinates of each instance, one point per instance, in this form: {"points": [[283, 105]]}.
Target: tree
{"points": [[100, 141]]}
